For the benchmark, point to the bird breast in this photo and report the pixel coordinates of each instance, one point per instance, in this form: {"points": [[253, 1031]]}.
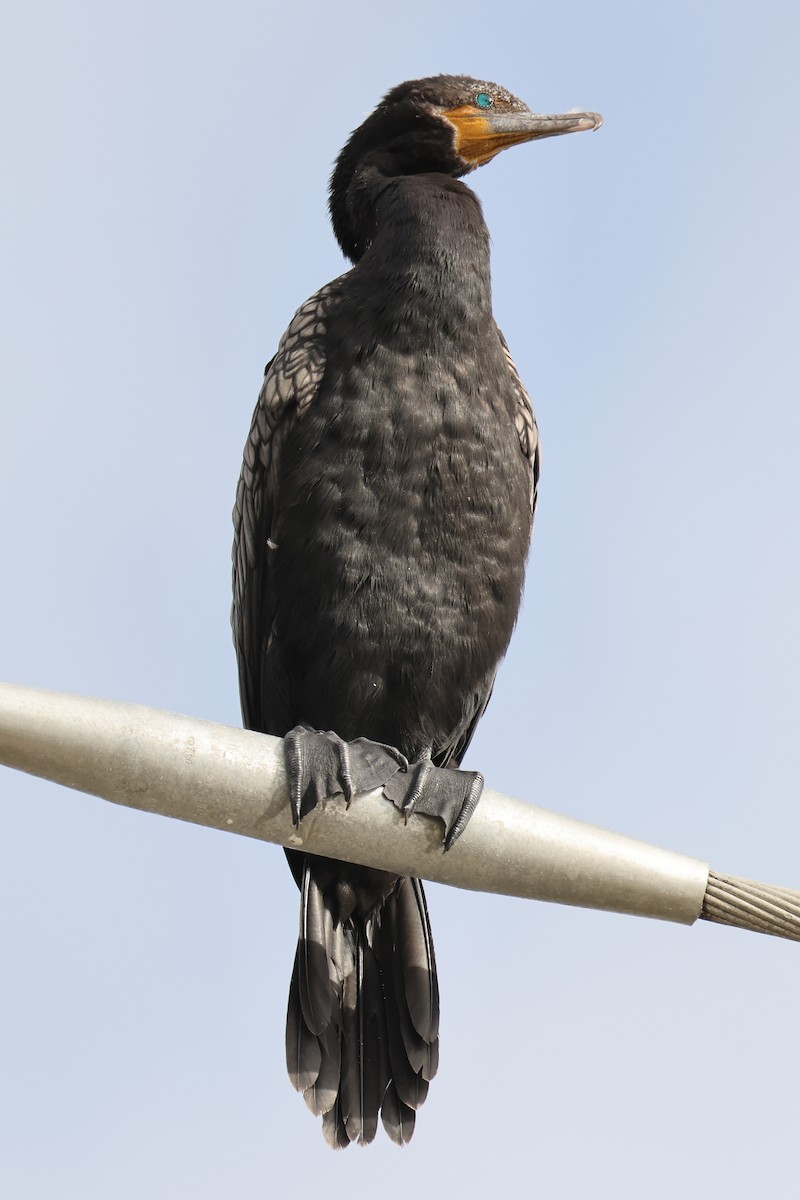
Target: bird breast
{"points": [[404, 522]]}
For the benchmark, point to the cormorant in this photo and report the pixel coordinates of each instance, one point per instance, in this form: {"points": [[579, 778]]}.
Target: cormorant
{"points": [[382, 523]]}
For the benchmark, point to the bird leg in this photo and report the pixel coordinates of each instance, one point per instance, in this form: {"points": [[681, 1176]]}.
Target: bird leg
{"points": [[319, 764]]}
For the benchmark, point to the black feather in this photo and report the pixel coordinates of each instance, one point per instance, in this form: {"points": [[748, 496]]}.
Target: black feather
{"points": [[422, 1055], [398, 1119], [409, 1083], [333, 1128], [303, 1052], [361, 1090], [321, 1095], [316, 993], [414, 947]]}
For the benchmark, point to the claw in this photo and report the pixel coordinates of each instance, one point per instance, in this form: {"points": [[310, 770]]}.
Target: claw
{"points": [[419, 774], [473, 795], [345, 772]]}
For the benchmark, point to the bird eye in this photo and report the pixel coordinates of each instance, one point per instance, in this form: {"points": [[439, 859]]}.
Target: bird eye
{"points": [[484, 100]]}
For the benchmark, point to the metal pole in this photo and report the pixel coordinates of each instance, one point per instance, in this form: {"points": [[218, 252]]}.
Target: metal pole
{"points": [[234, 780]]}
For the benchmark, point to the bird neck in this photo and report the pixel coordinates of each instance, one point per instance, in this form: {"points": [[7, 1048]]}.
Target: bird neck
{"points": [[429, 242]]}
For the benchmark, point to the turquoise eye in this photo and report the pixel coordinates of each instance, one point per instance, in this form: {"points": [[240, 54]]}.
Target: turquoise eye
{"points": [[484, 100]]}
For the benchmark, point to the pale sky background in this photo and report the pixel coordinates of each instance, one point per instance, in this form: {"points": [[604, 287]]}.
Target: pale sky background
{"points": [[162, 215]]}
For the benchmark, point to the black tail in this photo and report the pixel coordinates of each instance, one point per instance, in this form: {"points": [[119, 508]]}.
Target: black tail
{"points": [[362, 1030]]}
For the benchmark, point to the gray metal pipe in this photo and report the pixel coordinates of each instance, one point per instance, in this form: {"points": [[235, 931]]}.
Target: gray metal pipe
{"points": [[235, 780]]}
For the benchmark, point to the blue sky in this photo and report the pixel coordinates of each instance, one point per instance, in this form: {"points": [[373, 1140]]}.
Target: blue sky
{"points": [[163, 215]]}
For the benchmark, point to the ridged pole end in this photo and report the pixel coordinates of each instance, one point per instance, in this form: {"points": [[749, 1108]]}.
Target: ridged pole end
{"points": [[760, 907]]}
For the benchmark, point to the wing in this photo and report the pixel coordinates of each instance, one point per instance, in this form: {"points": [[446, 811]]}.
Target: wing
{"points": [[528, 434], [291, 382], [525, 421]]}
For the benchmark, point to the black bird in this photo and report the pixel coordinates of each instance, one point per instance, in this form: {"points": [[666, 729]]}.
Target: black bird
{"points": [[382, 523]]}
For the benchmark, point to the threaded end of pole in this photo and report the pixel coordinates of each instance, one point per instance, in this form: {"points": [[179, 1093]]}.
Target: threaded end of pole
{"points": [[749, 905]]}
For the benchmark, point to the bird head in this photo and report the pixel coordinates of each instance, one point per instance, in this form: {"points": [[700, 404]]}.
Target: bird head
{"points": [[446, 124]]}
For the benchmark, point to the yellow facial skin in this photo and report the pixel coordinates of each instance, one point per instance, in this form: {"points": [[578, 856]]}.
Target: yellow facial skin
{"points": [[476, 141], [482, 133]]}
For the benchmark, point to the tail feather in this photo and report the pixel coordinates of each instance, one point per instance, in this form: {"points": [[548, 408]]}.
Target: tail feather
{"points": [[398, 1119], [303, 1052], [411, 1087], [406, 970], [415, 949], [363, 1080], [363, 1017], [316, 991], [423, 1057], [333, 1128], [320, 1095]]}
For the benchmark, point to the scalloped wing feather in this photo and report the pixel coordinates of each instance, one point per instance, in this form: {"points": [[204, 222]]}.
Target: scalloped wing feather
{"points": [[291, 383], [525, 423]]}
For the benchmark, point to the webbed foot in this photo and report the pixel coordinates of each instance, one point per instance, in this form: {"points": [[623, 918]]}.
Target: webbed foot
{"points": [[447, 793], [321, 765]]}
